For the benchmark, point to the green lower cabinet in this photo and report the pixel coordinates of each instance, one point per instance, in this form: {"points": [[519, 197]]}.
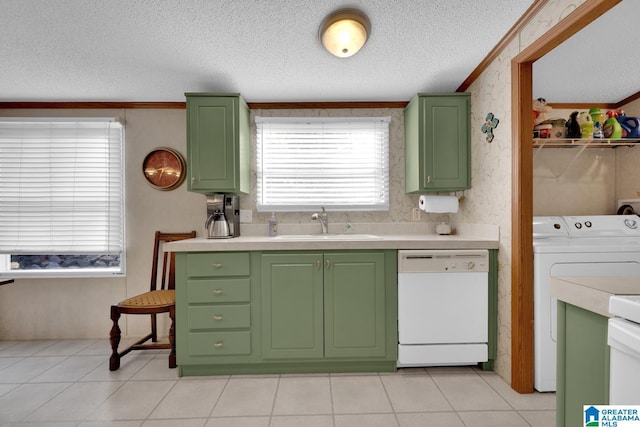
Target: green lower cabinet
{"points": [[280, 312], [292, 305], [323, 305], [583, 363], [354, 299]]}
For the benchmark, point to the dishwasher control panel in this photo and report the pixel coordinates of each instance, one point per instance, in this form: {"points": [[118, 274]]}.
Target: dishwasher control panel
{"points": [[448, 261]]}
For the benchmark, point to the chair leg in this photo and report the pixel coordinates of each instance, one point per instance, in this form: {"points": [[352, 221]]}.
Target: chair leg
{"points": [[172, 338], [154, 328], [114, 338]]}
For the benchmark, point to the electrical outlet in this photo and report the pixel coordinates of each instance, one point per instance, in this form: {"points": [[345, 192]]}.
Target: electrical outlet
{"points": [[246, 216], [415, 214]]}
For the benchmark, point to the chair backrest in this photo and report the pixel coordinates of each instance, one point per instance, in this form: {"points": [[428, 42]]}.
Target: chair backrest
{"points": [[163, 273]]}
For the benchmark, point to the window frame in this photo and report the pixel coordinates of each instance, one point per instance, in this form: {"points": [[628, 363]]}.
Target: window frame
{"points": [[81, 272]]}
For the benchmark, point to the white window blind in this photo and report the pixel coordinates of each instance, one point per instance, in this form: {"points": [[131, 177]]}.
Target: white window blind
{"points": [[339, 163], [61, 186]]}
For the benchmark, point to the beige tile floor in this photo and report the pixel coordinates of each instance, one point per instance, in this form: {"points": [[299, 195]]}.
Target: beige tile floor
{"points": [[68, 383]]}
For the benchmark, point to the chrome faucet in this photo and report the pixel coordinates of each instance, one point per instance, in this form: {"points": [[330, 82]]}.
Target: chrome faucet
{"points": [[324, 220]]}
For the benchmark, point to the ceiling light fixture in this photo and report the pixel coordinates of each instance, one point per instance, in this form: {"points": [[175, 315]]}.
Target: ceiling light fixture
{"points": [[344, 32]]}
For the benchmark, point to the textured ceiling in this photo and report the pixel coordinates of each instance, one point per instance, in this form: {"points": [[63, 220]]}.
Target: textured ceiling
{"points": [[599, 64], [268, 50], [155, 50]]}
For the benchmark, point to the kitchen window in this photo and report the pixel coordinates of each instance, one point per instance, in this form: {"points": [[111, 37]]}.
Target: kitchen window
{"points": [[341, 163], [61, 197]]}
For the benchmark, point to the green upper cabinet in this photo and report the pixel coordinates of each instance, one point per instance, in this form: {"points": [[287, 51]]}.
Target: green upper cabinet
{"points": [[218, 140], [437, 143]]}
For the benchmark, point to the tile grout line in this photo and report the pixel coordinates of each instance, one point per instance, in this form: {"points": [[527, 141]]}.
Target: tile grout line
{"points": [[333, 410], [224, 387], [455, 411], [506, 400], [275, 398], [386, 393]]}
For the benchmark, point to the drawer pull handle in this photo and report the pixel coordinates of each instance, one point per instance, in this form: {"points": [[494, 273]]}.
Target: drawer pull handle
{"points": [[218, 344], [217, 291], [217, 317], [217, 265]]}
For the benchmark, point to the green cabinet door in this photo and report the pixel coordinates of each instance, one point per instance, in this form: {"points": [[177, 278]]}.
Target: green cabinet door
{"points": [[583, 363], [292, 306], [218, 157], [354, 298], [437, 143]]}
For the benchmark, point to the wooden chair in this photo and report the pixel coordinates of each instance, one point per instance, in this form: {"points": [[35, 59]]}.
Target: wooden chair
{"points": [[161, 298]]}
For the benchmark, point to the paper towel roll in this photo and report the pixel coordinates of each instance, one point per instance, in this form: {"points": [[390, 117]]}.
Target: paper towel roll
{"points": [[438, 204]]}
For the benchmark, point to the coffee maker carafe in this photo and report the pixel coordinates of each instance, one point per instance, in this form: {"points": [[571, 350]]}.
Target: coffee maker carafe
{"points": [[223, 216]]}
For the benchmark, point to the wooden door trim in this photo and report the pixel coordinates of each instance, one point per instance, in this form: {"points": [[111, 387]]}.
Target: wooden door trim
{"points": [[522, 187]]}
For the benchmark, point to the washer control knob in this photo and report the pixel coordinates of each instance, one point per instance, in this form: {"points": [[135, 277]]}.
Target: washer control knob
{"points": [[588, 224], [631, 223], [471, 265], [578, 225]]}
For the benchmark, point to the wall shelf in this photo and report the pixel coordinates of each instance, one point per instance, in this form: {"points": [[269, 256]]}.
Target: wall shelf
{"points": [[580, 142]]}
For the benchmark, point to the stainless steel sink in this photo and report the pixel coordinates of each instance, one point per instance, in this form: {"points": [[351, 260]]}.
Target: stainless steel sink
{"points": [[300, 237]]}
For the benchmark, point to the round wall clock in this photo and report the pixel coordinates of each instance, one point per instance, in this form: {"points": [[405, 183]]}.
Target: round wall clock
{"points": [[164, 168]]}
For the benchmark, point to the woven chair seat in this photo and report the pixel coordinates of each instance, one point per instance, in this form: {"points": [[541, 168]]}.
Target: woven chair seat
{"points": [[151, 299]]}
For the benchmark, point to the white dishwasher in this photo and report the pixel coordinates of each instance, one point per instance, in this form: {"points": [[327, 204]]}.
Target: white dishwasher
{"points": [[443, 307]]}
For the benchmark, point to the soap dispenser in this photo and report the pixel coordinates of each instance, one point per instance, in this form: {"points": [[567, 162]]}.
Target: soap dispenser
{"points": [[273, 225]]}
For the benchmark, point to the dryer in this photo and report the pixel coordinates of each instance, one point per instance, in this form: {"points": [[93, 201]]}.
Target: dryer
{"points": [[598, 245]]}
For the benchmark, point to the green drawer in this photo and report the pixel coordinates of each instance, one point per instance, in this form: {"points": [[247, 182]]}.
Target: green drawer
{"points": [[219, 343], [213, 264], [219, 316], [218, 290]]}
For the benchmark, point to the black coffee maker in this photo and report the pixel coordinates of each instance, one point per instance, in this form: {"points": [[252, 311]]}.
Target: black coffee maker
{"points": [[223, 216]]}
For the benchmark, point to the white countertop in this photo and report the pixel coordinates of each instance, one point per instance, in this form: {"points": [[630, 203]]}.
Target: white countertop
{"points": [[593, 293], [395, 241]]}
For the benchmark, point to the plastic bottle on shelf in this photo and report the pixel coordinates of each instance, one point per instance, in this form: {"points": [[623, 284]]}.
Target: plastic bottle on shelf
{"points": [[630, 125], [586, 125], [611, 128], [598, 119]]}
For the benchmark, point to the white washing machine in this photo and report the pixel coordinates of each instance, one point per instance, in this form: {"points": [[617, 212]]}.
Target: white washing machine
{"points": [[599, 245]]}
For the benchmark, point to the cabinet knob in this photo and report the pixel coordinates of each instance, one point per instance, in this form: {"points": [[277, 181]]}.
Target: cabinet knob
{"points": [[193, 179], [318, 264], [218, 344], [217, 265], [217, 291], [217, 317], [429, 179], [327, 263]]}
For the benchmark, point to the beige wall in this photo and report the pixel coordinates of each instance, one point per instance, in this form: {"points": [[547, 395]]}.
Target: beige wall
{"points": [[489, 200], [627, 161], [79, 308]]}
